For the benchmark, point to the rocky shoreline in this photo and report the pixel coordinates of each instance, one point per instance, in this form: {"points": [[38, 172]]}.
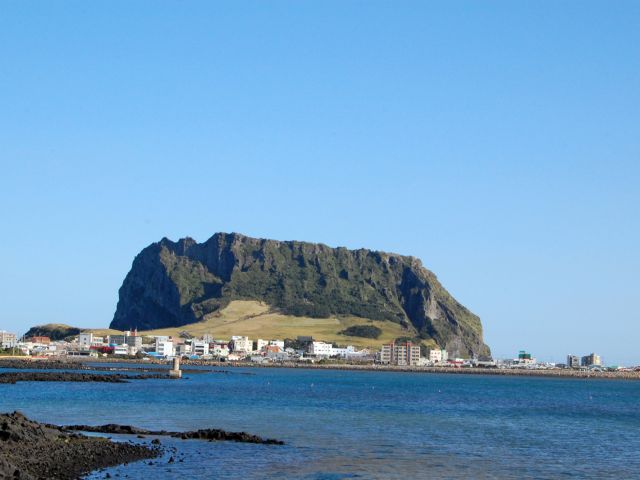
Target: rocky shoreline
{"points": [[209, 434], [14, 377], [34, 451], [559, 373], [151, 367], [78, 364]]}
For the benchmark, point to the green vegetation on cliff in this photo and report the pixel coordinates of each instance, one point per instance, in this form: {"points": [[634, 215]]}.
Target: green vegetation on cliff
{"points": [[178, 283], [363, 331]]}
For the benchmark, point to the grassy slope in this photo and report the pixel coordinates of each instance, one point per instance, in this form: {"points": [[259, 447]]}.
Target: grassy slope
{"points": [[254, 320]]}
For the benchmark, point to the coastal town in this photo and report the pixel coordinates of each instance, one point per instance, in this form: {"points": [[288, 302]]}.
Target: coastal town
{"points": [[242, 349]]}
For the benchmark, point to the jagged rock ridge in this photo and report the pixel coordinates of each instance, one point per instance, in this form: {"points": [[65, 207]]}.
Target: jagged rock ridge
{"points": [[177, 283]]}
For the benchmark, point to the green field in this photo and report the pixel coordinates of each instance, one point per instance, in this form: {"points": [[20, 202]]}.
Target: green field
{"points": [[257, 320]]}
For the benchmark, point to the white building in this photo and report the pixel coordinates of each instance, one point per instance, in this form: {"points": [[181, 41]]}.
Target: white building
{"points": [[181, 349], [200, 348], [343, 352], [7, 340], [320, 349], [242, 344], [85, 340], [277, 343], [438, 356], [219, 349], [165, 348], [261, 344], [121, 350]]}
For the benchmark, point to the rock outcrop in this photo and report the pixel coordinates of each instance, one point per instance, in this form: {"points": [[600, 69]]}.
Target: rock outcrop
{"points": [[177, 283], [34, 451]]}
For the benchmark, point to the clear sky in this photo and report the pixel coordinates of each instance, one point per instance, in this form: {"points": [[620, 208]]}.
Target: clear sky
{"points": [[497, 141]]}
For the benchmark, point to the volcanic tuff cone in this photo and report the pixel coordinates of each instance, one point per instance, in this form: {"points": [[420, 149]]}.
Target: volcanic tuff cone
{"points": [[178, 283]]}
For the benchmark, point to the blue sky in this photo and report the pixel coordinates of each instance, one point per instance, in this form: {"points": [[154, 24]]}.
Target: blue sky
{"points": [[497, 141]]}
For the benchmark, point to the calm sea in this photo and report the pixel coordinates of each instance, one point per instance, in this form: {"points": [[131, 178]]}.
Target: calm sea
{"points": [[339, 424]]}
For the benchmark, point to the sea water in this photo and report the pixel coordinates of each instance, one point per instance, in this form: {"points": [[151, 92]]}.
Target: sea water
{"points": [[348, 424]]}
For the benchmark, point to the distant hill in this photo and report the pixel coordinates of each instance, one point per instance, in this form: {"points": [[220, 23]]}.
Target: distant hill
{"points": [[55, 331], [172, 284]]}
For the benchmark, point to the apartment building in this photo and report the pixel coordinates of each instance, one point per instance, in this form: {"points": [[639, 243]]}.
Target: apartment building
{"points": [[200, 348], [437, 355], [402, 354], [242, 344], [7, 340], [165, 348], [573, 361], [321, 349], [591, 360]]}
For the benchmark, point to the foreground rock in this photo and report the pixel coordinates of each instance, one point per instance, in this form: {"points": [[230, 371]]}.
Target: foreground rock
{"points": [[13, 377], [33, 451], [209, 434]]}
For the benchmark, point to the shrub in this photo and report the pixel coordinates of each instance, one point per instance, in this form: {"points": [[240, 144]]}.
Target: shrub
{"points": [[364, 331]]}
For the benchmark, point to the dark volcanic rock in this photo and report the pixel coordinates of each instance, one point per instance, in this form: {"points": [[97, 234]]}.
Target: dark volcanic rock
{"points": [[33, 451], [176, 283], [48, 364], [209, 434], [212, 434], [13, 377], [113, 429]]}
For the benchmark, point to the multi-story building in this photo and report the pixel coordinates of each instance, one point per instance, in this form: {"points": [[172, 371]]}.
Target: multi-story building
{"points": [[7, 340], [261, 344], [400, 354], [386, 353], [321, 349], [524, 358], [85, 340], [407, 354], [277, 343], [40, 340], [183, 349], [219, 349], [135, 342], [242, 344], [200, 348], [573, 361], [591, 360], [437, 355], [121, 350], [129, 338], [343, 352], [164, 348], [117, 340]]}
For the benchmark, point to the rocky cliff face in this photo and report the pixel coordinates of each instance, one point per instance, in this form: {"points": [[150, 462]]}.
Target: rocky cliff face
{"points": [[177, 283]]}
